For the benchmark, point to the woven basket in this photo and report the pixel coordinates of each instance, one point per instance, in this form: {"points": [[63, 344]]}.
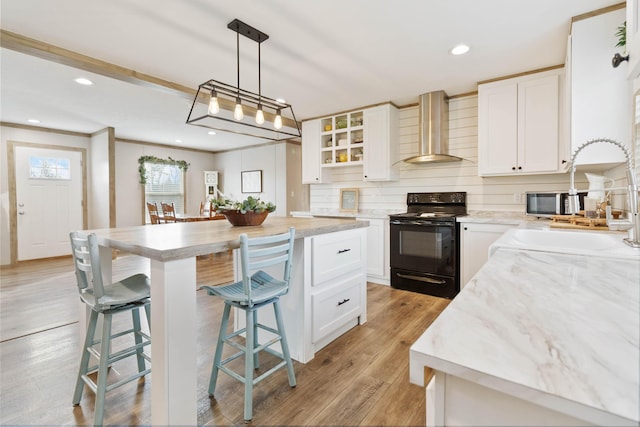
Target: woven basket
{"points": [[248, 218]]}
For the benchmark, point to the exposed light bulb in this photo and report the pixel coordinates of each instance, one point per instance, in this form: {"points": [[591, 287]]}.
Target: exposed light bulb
{"points": [[259, 115], [214, 107], [277, 123], [238, 114]]}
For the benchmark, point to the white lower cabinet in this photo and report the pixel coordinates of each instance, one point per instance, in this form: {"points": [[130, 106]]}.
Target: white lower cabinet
{"points": [[327, 295], [336, 305], [475, 239], [377, 250]]}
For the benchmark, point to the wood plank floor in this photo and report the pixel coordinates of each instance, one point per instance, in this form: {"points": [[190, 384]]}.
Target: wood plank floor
{"points": [[360, 379]]}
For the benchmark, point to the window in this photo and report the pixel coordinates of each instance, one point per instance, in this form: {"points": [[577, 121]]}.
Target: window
{"points": [[165, 183], [49, 168]]}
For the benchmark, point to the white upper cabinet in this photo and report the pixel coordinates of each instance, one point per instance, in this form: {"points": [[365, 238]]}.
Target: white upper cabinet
{"points": [[601, 101], [519, 125], [633, 39], [359, 138], [311, 172], [380, 133]]}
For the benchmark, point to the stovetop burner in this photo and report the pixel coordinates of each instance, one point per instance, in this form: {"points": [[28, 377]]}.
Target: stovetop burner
{"points": [[426, 206]]}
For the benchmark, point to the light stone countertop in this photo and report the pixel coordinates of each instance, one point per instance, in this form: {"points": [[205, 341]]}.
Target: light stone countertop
{"points": [[336, 213], [558, 330], [187, 239], [495, 217]]}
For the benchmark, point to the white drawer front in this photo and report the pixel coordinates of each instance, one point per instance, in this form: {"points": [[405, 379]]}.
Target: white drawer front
{"points": [[335, 254], [336, 305]]}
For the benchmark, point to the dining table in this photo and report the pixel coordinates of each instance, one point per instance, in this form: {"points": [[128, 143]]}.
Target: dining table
{"points": [[195, 218], [172, 250]]}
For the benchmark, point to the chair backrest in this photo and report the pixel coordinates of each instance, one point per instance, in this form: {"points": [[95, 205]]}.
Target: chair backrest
{"points": [[212, 211], [168, 212], [153, 213], [260, 252], [86, 259], [201, 208]]}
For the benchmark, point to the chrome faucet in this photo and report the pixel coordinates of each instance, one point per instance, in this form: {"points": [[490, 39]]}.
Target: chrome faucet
{"points": [[632, 189]]}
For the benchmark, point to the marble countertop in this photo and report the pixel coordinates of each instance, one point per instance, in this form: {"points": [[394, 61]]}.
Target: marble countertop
{"points": [[559, 330], [336, 213], [182, 240]]}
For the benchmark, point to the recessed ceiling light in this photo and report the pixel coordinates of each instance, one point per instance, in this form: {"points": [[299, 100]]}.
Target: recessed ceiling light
{"points": [[460, 49], [83, 81], [211, 132], [178, 141], [33, 121]]}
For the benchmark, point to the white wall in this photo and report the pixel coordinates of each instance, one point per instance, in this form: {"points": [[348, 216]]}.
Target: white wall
{"points": [[129, 191], [490, 193], [24, 136], [98, 181], [281, 168]]}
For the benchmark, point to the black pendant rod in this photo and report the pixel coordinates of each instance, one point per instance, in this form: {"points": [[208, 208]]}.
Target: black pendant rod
{"points": [[238, 59]]}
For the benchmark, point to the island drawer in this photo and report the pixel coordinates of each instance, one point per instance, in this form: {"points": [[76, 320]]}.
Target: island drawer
{"points": [[335, 306], [336, 254]]}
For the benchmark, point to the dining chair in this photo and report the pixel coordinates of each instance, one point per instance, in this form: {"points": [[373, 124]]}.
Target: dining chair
{"points": [[168, 212], [153, 213], [129, 294], [256, 290], [201, 208]]}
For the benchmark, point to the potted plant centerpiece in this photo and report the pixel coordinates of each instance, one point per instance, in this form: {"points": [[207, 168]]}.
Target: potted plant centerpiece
{"points": [[250, 211]]}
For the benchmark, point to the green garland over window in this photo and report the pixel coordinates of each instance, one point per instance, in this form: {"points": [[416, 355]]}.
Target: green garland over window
{"points": [[153, 159]]}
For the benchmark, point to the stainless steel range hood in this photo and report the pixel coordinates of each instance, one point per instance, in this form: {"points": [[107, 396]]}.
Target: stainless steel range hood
{"points": [[433, 129]]}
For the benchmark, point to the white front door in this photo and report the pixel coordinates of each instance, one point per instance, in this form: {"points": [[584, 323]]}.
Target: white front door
{"points": [[49, 200]]}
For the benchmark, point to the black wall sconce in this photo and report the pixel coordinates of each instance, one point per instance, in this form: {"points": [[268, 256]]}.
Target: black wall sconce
{"points": [[618, 59]]}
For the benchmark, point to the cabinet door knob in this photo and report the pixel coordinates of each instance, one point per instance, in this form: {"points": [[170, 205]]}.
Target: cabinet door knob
{"points": [[465, 228], [519, 167], [564, 161], [513, 168]]}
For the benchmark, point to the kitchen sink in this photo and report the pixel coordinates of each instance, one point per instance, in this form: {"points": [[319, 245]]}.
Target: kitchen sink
{"points": [[602, 244]]}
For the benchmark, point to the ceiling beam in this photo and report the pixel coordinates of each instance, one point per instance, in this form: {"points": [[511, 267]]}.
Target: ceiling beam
{"points": [[49, 52]]}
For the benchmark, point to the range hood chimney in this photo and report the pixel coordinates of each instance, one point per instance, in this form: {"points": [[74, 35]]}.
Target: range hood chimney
{"points": [[433, 129]]}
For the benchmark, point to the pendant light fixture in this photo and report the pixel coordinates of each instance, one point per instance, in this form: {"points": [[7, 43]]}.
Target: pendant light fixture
{"points": [[233, 109]]}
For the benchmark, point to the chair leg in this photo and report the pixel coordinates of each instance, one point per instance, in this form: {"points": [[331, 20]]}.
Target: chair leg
{"points": [[248, 366], [101, 388], [84, 359], [147, 309], [283, 342], [218, 356], [135, 315], [256, 361]]}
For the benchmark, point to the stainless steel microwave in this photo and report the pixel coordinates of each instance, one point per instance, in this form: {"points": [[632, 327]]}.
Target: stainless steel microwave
{"points": [[547, 204]]}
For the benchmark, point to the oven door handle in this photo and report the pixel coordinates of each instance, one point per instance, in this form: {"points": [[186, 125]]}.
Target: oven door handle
{"points": [[421, 279]]}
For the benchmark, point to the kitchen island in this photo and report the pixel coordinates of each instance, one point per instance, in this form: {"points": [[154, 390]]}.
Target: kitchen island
{"points": [[536, 338], [329, 264]]}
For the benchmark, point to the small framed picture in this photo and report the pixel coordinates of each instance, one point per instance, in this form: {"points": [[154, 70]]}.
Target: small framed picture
{"points": [[349, 200], [251, 181]]}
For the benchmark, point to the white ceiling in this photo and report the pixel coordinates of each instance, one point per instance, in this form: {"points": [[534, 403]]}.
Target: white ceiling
{"points": [[322, 56]]}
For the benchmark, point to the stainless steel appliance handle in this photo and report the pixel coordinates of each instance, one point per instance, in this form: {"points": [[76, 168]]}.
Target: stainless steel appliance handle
{"points": [[421, 279]]}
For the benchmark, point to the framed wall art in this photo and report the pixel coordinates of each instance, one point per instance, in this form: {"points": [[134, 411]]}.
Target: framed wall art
{"points": [[251, 181], [349, 200]]}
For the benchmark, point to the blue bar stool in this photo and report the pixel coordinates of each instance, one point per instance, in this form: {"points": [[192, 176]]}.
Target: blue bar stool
{"points": [[256, 290], [129, 294]]}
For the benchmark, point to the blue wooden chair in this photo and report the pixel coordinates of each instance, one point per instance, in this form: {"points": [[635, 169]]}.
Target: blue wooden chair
{"points": [[129, 294], [256, 290]]}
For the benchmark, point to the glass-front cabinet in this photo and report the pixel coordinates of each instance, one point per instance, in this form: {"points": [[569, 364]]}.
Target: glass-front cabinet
{"points": [[342, 139]]}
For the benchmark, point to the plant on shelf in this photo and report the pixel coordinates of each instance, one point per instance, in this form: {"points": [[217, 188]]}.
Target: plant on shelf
{"points": [[621, 35]]}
